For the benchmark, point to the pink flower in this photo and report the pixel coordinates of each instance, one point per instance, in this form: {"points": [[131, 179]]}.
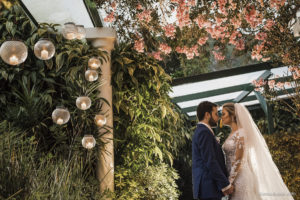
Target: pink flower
{"points": [[261, 36], [145, 16], [179, 50], [157, 55], [269, 24], [280, 85], [139, 45], [218, 55], [236, 22], [202, 40], [113, 5], [170, 30], [110, 17], [139, 7], [271, 84], [240, 45], [252, 16], [165, 48], [277, 4], [183, 16]]}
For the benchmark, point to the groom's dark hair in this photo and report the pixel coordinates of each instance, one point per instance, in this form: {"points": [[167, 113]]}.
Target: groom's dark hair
{"points": [[204, 107]]}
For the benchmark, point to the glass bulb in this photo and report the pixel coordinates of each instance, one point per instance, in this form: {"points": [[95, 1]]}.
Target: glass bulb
{"points": [[60, 121], [83, 106], [81, 33], [88, 142], [44, 54], [60, 115], [100, 120], [94, 63], [13, 60], [13, 52], [83, 102], [91, 75]]}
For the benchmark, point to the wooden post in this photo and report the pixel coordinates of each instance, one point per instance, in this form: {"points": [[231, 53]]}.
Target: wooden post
{"points": [[104, 39]]}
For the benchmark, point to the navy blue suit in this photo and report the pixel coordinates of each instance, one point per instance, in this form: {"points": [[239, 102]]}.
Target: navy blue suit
{"points": [[209, 170]]}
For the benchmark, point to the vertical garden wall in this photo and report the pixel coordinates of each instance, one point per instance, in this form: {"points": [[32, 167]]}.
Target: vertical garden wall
{"points": [[42, 160]]}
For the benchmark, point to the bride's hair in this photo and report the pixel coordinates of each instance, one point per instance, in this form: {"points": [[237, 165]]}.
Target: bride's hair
{"points": [[229, 107]]}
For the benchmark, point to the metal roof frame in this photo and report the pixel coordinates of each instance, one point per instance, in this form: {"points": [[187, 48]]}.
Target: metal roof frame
{"points": [[243, 90]]}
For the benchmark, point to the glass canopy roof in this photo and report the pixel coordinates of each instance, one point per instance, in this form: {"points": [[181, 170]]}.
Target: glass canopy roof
{"points": [[233, 85], [81, 12]]}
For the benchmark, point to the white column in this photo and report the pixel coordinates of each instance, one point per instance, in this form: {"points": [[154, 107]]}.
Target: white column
{"points": [[104, 39]]}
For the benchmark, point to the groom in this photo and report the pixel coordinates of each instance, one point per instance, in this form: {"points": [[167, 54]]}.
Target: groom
{"points": [[210, 180]]}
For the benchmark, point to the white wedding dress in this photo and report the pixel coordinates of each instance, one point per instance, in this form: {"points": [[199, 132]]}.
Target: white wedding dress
{"points": [[249, 163]]}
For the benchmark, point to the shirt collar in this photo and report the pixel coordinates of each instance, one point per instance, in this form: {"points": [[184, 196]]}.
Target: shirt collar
{"points": [[208, 126]]}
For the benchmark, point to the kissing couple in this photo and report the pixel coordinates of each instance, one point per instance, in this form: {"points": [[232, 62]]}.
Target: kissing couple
{"points": [[246, 171]]}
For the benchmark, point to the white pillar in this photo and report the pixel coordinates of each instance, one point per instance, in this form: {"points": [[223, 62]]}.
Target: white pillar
{"points": [[104, 39]]}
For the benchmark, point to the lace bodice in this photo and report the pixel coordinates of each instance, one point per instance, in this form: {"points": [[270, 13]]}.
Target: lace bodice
{"points": [[234, 150]]}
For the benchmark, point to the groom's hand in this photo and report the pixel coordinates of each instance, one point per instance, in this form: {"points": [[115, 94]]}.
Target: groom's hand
{"points": [[229, 191]]}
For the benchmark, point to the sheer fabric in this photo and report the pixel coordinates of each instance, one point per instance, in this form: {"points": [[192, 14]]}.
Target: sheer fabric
{"points": [[249, 162]]}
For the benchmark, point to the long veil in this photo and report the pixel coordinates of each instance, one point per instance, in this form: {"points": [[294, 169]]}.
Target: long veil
{"points": [[267, 178]]}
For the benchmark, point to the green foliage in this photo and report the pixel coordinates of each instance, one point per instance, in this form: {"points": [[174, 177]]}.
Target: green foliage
{"points": [[149, 130], [151, 183], [46, 161], [284, 148]]}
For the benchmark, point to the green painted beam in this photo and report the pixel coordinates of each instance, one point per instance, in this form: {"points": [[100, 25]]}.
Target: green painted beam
{"points": [[245, 93], [194, 108], [210, 93], [226, 73], [93, 12], [268, 111]]}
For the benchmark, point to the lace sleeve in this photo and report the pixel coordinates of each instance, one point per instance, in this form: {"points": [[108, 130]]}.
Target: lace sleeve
{"points": [[239, 151]]}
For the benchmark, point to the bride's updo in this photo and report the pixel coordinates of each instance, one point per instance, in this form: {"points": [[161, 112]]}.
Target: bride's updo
{"points": [[229, 107]]}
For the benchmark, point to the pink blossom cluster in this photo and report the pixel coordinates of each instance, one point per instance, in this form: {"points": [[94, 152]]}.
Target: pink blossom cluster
{"points": [[277, 4], [252, 16], [295, 71], [218, 55], [139, 7], [240, 45], [261, 36], [202, 22], [236, 22], [170, 30], [139, 45], [269, 24], [166, 49], [110, 17], [222, 8], [218, 32], [145, 16], [183, 14], [256, 51], [189, 52], [156, 55], [202, 40]]}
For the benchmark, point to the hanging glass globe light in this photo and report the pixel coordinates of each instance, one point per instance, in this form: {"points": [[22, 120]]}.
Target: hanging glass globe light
{"points": [[13, 52], [88, 141], [44, 49], [81, 33], [83, 103], [60, 115], [94, 63], [100, 120], [69, 31], [91, 75]]}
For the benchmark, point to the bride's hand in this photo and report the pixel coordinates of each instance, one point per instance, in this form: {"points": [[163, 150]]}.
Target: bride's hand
{"points": [[229, 191]]}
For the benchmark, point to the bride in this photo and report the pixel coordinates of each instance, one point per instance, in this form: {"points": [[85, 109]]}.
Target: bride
{"points": [[248, 160]]}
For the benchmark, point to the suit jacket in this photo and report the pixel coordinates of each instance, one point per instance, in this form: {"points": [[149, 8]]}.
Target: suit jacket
{"points": [[208, 169]]}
